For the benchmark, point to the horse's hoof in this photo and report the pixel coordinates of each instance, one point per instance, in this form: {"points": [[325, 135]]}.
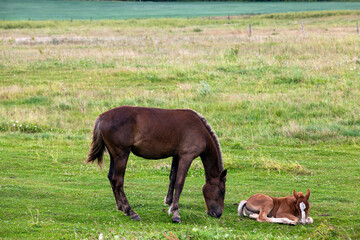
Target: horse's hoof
{"points": [[176, 220], [135, 218]]}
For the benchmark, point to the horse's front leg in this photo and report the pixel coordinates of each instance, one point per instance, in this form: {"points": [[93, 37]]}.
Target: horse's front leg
{"points": [[172, 178], [120, 161], [183, 168]]}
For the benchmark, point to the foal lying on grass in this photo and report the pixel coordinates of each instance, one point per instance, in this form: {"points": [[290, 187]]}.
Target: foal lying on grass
{"points": [[288, 210]]}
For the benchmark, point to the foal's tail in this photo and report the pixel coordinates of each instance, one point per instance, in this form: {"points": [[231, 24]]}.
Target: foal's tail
{"points": [[244, 211], [97, 145], [241, 208]]}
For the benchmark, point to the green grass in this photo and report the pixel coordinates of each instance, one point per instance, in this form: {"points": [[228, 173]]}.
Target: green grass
{"points": [[285, 108]]}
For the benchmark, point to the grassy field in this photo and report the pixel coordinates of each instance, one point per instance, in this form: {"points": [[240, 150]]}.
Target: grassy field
{"points": [[285, 107]]}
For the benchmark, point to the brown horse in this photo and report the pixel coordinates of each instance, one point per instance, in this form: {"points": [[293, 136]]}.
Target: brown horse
{"points": [[288, 210], [154, 133]]}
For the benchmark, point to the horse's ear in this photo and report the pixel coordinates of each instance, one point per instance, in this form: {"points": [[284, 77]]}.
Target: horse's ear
{"points": [[307, 196], [223, 174], [295, 194]]}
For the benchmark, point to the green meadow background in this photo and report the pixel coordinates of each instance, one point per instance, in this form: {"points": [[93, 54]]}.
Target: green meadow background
{"points": [[284, 103]]}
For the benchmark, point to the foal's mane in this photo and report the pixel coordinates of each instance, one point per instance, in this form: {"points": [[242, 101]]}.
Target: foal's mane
{"points": [[213, 136]]}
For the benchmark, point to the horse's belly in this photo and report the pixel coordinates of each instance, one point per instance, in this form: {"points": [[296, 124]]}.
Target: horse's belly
{"points": [[151, 152]]}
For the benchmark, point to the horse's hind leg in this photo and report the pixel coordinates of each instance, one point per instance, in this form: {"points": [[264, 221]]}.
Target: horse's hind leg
{"points": [[120, 158], [112, 183], [172, 179]]}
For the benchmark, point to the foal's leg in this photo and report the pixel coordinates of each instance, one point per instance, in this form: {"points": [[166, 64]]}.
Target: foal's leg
{"points": [[264, 212], [266, 209], [282, 220], [271, 220], [309, 220], [172, 178], [183, 168], [254, 215], [287, 218], [120, 161]]}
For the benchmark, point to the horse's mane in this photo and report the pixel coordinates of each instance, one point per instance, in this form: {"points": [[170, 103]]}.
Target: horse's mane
{"points": [[213, 136]]}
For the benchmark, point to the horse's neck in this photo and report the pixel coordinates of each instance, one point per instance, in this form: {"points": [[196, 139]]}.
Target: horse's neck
{"points": [[212, 164]]}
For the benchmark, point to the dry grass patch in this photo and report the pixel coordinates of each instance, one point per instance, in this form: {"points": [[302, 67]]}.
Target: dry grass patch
{"points": [[280, 166], [11, 92]]}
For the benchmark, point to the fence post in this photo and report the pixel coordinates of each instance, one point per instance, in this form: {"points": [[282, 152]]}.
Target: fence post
{"points": [[249, 29], [302, 27], [229, 17], [357, 27]]}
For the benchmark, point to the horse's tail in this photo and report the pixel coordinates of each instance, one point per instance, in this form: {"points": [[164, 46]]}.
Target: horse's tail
{"points": [[97, 145], [241, 211]]}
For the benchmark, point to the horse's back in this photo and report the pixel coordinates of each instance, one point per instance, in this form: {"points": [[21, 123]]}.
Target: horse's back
{"points": [[153, 132], [149, 119]]}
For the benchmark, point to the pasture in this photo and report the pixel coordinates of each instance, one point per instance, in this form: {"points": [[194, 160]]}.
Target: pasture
{"points": [[284, 105]]}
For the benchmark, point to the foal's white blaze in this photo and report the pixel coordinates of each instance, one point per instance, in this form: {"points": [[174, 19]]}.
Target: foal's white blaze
{"points": [[302, 208]]}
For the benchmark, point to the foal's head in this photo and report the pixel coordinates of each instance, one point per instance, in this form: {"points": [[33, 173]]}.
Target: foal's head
{"points": [[302, 204], [214, 194]]}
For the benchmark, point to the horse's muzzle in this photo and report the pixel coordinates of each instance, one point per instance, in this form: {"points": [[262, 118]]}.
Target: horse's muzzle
{"points": [[213, 214]]}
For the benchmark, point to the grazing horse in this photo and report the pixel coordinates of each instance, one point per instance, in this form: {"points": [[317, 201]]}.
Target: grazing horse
{"points": [[293, 209], [154, 133]]}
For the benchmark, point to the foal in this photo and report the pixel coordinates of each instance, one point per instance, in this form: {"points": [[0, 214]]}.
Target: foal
{"points": [[288, 210]]}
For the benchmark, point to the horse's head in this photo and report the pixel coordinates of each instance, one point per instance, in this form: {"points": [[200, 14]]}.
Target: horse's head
{"points": [[214, 194], [302, 204]]}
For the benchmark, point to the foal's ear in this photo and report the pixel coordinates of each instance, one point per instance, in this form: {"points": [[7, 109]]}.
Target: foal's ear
{"points": [[307, 194], [295, 194], [223, 174]]}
